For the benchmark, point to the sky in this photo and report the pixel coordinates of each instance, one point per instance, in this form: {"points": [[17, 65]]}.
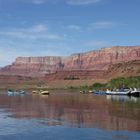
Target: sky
{"points": [[65, 27]]}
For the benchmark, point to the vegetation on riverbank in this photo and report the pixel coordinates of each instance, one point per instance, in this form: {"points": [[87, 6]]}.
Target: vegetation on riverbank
{"points": [[118, 83], [77, 84], [112, 84]]}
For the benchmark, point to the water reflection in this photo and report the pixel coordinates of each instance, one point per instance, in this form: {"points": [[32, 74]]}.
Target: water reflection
{"points": [[122, 98], [76, 110]]}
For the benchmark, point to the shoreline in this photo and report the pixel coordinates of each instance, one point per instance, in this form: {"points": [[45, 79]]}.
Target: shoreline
{"points": [[97, 84]]}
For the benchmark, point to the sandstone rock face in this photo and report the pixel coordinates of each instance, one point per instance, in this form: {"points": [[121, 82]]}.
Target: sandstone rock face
{"points": [[93, 60], [33, 66], [97, 60]]}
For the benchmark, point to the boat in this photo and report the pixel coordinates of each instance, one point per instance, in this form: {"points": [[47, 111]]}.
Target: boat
{"points": [[13, 93], [21, 92], [90, 91], [134, 92], [44, 92], [35, 91], [99, 92], [41, 92], [86, 91], [122, 91], [10, 92]]}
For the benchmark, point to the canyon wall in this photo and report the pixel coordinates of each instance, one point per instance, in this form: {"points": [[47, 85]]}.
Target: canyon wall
{"points": [[93, 61], [100, 59], [33, 66]]}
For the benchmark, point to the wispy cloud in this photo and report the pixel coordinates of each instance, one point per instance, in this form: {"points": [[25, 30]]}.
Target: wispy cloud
{"points": [[74, 27], [69, 2], [39, 2], [38, 28], [9, 50], [39, 31], [35, 40], [82, 2], [102, 25], [34, 1]]}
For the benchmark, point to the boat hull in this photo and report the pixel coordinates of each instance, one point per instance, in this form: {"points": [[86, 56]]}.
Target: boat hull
{"points": [[44, 93], [135, 93], [117, 93], [100, 92], [14, 93], [41, 92]]}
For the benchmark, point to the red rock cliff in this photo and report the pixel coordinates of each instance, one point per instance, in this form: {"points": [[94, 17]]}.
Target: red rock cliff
{"points": [[96, 60], [33, 65], [93, 60]]}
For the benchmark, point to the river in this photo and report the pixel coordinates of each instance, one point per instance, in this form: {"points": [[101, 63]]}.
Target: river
{"points": [[65, 115]]}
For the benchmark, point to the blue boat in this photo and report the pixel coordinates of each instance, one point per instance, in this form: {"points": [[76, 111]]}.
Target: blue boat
{"points": [[99, 92], [14, 93], [21, 92], [10, 93]]}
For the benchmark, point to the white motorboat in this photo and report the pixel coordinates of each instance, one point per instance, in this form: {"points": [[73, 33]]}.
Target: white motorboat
{"points": [[118, 92]]}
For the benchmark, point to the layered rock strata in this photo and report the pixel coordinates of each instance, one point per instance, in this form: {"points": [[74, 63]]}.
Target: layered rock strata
{"points": [[92, 61]]}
